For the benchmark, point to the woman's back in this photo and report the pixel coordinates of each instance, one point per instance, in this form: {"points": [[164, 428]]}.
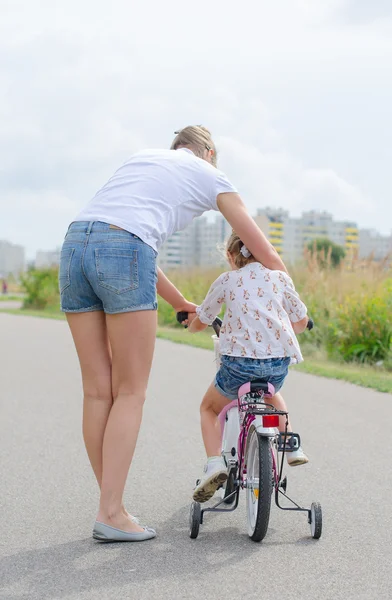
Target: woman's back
{"points": [[157, 192]]}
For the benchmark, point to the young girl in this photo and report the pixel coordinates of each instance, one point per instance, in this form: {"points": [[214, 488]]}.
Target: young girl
{"points": [[257, 341]]}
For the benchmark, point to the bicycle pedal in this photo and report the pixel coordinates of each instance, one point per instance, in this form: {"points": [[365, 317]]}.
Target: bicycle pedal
{"points": [[289, 442]]}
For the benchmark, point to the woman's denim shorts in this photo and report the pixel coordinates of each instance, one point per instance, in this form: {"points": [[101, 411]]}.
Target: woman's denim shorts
{"points": [[236, 370], [104, 268]]}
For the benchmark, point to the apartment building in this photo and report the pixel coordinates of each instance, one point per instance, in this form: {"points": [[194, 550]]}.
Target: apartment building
{"points": [[180, 249], [211, 238], [291, 235], [199, 245], [12, 259], [47, 258], [373, 244]]}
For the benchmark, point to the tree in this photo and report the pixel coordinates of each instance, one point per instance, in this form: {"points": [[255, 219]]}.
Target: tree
{"points": [[327, 251]]}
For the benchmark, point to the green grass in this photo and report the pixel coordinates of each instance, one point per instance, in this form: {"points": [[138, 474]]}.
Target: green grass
{"points": [[42, 314], [370, 377], [315, 363], [10, 298], [178, 336]]}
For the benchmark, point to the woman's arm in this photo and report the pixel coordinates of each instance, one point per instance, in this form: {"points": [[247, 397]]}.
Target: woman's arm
{"points": [[172, 295], [234, 210]]}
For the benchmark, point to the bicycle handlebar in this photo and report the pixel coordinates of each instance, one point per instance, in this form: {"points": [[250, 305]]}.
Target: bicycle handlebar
{"points": [[217, 324]]}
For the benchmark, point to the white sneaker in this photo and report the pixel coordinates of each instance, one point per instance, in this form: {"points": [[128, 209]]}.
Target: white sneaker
{"points": [[215, 473], [296, 458]]}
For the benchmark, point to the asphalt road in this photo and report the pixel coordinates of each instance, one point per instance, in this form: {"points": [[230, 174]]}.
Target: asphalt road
{"points": [[48, 497]]}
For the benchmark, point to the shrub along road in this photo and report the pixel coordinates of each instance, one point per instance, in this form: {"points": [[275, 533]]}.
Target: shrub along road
{"points": [[49, 497]]}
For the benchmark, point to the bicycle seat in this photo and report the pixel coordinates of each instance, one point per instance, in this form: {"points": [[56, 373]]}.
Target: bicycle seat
{"points": [[257, 387]]}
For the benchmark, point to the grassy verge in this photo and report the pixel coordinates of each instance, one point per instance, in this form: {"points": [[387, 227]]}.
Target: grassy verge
{"points": [[42, 314], [10, 298], [376, 379], [315, 364]]}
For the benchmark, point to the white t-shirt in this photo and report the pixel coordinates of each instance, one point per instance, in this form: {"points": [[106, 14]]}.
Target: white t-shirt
{"points": [[260, 307], [157, 192]]}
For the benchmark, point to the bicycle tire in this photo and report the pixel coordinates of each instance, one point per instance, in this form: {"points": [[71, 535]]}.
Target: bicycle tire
{"points": [[259, 485]]}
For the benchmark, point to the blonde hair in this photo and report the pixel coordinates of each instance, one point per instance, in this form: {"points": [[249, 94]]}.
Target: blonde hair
{"points": [[233, 247], [198, 139]]}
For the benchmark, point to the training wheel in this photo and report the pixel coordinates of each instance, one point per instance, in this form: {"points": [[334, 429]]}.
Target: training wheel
{"points": [[194, 520], [315, 520]]}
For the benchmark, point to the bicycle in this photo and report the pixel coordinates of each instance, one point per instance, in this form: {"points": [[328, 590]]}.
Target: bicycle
{"points": [[254, 454]]}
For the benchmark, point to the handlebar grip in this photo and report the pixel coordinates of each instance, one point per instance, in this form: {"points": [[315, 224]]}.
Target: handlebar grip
{"points": [[181, 317], [310, 325], [216, 325]]}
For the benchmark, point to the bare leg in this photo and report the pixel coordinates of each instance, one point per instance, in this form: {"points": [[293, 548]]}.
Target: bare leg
{"points": [[132, 340], [90, 336], [278, 402], [213, 403]]}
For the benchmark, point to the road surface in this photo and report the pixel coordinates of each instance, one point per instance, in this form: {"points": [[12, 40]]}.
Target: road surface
{"points": [[48, 496]]}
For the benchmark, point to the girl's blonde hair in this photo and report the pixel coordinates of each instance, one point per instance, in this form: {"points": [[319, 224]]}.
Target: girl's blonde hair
{"points": [[233, 247], [196, 138]]}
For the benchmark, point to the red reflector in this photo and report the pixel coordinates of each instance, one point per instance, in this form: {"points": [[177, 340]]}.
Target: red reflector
{"points": [[270, 420]]}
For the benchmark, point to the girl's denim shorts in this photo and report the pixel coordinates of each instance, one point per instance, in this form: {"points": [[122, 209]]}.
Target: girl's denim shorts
{"points": [[236, 370], [106, 268]]}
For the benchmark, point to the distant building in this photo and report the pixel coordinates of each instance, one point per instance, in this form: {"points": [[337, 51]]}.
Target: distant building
{"points": [[199, 245], [373, 244], [211, 237], [291, 235], [47, 258], [202, 244], [12, 259], [179, 250]]}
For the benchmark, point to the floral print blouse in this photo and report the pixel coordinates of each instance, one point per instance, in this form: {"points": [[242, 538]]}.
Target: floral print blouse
{"points": [[260, 307]]}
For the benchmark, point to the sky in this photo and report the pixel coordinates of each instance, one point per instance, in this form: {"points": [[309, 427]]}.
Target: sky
{"points": [[297, 94]]}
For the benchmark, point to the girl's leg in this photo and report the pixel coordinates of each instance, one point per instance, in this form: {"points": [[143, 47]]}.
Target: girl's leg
{"points": [[298, 457], [278, 402], [132, 340], [213, 403], [215, 471]]}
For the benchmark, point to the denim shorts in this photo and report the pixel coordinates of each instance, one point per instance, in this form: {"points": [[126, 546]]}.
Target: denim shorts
{"points": [[102, 268], [236, 370]]}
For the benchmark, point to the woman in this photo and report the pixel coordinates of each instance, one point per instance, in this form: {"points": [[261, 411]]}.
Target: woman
{"points": [[108, 283]]}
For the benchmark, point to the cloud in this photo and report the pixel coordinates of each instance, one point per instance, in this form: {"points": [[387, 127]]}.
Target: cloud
{"points": [[295, 92], [276, 178]]}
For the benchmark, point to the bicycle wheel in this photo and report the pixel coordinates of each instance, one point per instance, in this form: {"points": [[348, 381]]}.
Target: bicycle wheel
{"points": [[258, 485]]}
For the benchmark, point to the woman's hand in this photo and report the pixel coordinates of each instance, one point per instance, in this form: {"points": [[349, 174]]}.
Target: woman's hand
{"points": [[186, 306]]}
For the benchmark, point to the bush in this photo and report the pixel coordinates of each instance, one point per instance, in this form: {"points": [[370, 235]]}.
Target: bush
{"points": [[41, 287], [361, 329], [327, 252]]}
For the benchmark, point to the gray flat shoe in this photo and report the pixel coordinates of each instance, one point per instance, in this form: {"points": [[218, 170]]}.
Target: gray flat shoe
{"points": [[106, 533]]}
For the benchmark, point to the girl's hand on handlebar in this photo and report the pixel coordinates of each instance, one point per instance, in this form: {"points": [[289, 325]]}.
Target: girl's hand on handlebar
{"points": [[187, 322], [196, 325]]}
